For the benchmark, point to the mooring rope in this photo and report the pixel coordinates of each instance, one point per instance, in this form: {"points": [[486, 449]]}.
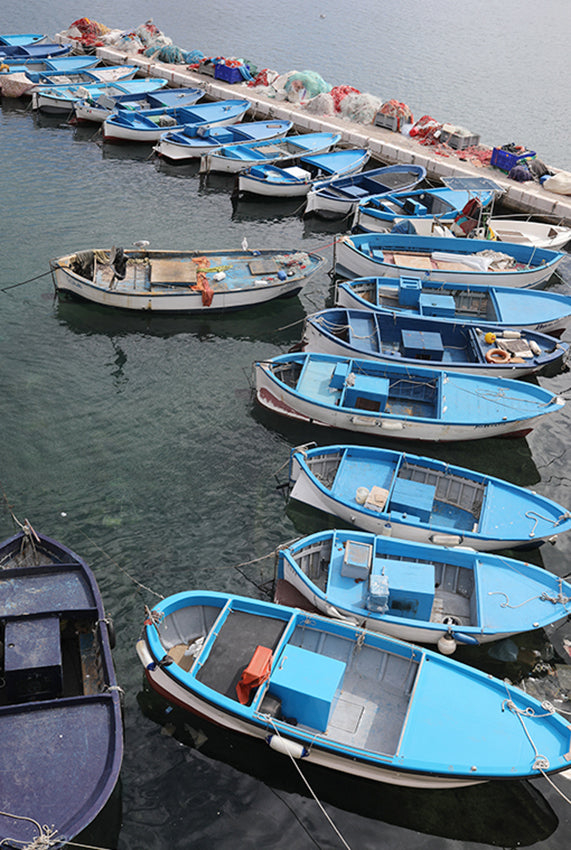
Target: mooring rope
{"points": [[310, 789], [30, 280]]}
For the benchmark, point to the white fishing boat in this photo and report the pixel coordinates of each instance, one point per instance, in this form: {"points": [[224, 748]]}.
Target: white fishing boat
{"points": [[182, 281], [449, 260]]}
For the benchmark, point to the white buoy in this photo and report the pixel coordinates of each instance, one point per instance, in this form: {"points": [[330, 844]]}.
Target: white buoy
{"points": [[447, 644], [244, 244]]}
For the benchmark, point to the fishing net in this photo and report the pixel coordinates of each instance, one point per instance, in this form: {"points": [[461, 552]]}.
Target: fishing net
{"points": [[304, 85], [396, 109], [322, 104], [339, 92], [360, 108]]}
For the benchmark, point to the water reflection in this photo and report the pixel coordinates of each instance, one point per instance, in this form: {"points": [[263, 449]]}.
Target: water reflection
{"points": [[498, 814], [277, 321]]}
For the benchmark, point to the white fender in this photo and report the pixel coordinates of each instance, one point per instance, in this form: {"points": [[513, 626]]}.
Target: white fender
{"points": [[286, 747], [145, 656]]}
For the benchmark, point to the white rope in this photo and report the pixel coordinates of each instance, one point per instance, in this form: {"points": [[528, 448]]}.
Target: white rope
{"points": [[554, 786], [538, 517], [310, 789]]}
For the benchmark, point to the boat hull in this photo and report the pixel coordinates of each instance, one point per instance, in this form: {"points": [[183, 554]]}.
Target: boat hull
{"points": [[169, 690], [183, 299], [545, 312], [351, 263], [316, 338], [307, 488], [278, 397]]}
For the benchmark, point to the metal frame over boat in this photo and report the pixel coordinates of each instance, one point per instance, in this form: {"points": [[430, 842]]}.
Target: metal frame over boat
{"points": [[60, 705], [345, 698], [422, 499]]}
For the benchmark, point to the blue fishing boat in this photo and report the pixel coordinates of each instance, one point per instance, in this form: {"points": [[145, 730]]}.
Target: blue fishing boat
{"points": [[399, 400], [419, 592], [234, 158], [296, 180], [22, 71], [57, 100], [345, 698], [379, 213], [41, 50], [60, 705], [191, 143], [100, 108], [22, 38], [148, 125], [439, 258], [25, 83], [424, 341], [480, 305], [422, 499], [339, 197]]}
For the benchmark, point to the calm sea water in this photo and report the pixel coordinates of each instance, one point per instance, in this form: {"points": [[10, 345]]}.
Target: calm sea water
{"points": [[135, 440]]}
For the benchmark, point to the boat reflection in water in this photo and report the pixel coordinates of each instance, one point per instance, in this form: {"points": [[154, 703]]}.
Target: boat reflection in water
{"points": [[524, 817]]}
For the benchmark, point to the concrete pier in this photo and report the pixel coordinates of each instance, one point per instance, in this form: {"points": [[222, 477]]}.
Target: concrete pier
{"points": [[387, 147]]}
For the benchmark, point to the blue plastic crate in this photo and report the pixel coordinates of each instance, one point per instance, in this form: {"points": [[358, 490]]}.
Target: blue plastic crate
{"points": [[506, 160], [228, 74]]}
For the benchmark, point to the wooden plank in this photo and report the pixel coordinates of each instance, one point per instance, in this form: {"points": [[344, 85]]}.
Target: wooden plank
{"points": [[413, 261], [173, 271]]}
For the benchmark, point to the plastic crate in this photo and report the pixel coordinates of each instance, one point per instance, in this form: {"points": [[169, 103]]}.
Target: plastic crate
{"points": [[460, 142], [228, 74], [389, 122], [506, 160]]}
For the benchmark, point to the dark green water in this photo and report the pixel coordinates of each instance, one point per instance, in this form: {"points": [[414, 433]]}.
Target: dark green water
{"points": [[135, 440]]}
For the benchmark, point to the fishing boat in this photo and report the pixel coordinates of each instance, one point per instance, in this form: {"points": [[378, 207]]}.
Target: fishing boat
{"points": [[16, 75], [537, 234], [447, 260], [59, 100], [528, 232], [26, 83], [345, 698], [423, 341], [419, 592], [404, 402], [39, 50], [60, 705], [22, 38], [183, 281], [148, 125], [478, 304], [339, 197], [100, 108], [296, 180], [234, 158], [379, 213], [422, 499], [191, 143]]}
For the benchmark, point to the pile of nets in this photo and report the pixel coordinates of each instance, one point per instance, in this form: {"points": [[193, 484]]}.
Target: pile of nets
{"points": [[398, 110], [87, 33], [339, 92], [304, 85], [360, 108]]}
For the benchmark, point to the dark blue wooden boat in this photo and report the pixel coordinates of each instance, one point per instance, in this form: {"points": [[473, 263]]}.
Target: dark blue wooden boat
{"points": [[60, 706]]}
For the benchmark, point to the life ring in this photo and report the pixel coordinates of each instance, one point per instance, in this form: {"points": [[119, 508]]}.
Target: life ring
{"points": [[497, 355]]}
